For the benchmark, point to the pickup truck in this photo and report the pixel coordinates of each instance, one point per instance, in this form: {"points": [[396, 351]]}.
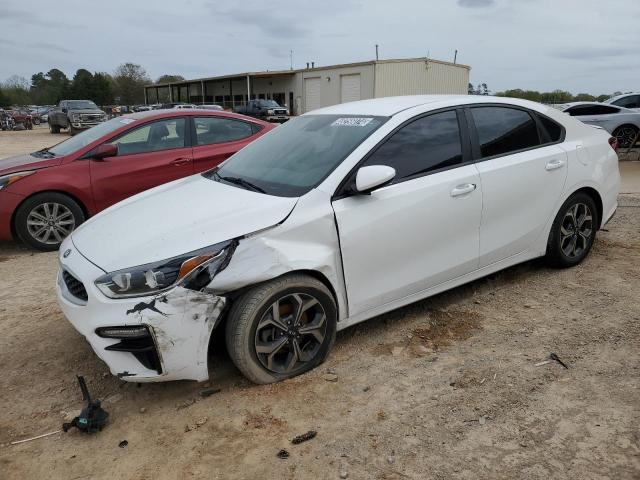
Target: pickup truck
{"points": [[267, 110], [75, 115]]}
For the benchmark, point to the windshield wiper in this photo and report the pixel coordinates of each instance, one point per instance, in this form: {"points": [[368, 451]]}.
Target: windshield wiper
{"points": [[240, 181], [44, 152]]}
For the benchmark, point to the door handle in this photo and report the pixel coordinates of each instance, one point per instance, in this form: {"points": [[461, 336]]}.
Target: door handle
{"points": [[463, 189], [180, 161], [554, 164]]}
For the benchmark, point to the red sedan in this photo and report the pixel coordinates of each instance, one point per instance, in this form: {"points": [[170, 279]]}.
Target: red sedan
{"points": [[46, 194]]}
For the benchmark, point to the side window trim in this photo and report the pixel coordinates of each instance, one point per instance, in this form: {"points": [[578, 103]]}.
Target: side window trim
{"points": [[542, 132], [343, 190]]}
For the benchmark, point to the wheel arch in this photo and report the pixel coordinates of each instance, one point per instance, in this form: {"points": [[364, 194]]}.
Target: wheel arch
{"points": [[233, 296], [73, 197], [597, 199]]}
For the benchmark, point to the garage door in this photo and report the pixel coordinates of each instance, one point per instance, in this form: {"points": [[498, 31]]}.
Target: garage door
{"points": [[349, 88], [311, 94]]}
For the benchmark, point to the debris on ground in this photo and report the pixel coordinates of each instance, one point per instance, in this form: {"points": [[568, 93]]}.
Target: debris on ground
{"points": [[304, 437], [92, 418], [330, 377], [207, 392], [539, 364], [143, 409], [282, 454], [123, 444], [35, 438], [198, 423], [555, 357], [185, 404]]}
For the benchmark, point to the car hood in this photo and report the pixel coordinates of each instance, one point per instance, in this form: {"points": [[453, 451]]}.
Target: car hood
{"points": [[173, 219], [26, 162]]}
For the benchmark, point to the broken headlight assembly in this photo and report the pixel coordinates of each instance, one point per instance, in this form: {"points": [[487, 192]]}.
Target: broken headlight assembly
{"points": [[193, 270], [7, 180]]}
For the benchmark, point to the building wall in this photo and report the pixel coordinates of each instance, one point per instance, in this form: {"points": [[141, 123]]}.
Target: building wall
{"points": [[377, 79], [330, 82], [420, 77]]}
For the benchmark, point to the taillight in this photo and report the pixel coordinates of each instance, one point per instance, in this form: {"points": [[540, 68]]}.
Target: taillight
{"points": [[613, 141]]}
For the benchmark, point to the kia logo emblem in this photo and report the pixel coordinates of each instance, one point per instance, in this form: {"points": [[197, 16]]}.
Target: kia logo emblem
{"points": [[66, 253]]}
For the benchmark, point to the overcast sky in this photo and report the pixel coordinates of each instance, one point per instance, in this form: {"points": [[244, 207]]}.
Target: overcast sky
{"points": [[577, 45]]}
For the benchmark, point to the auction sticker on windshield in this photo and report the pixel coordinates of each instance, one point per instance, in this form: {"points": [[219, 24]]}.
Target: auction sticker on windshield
{"points": [[352, 122]]}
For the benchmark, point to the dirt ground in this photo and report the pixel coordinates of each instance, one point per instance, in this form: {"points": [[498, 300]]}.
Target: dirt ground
{"points": [[445, 388]]}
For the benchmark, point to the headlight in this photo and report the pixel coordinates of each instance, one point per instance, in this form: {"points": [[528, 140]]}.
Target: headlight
{"points": [[269, 112], [7, 180], [75, 117], [192, 270]]}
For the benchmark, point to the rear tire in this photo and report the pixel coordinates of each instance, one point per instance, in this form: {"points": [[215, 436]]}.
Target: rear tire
{"points": [[573, 231], [281, 328], [46, 219], [627, 135]]}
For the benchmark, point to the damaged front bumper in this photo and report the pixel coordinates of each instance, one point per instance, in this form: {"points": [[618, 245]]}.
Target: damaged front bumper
{"points": [[173, 328]]}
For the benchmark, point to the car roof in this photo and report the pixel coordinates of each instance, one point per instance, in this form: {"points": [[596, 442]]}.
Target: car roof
{"points": [[389, 106], [181, 112], [622, 95]]}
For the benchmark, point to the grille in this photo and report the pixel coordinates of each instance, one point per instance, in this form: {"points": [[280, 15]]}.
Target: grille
{"points": [[91, 117], [75, 286]]}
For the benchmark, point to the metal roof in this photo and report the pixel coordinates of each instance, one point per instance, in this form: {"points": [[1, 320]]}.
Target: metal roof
{"points": [[275, 73]]}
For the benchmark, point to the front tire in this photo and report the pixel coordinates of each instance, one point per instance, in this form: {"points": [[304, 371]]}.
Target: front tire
{"points": [[281, 328], [46, 219], [54, 128], [573, 231]]}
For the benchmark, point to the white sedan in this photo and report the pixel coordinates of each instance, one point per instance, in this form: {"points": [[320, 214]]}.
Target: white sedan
{"points": [[333, 218]]}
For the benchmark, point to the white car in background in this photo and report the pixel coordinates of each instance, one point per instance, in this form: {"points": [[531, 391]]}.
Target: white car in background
{"points": [[627, 100], [622, 123], [335, 217]]}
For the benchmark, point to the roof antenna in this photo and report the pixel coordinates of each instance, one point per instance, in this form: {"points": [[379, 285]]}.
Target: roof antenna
{"points": [[376, 52], [455, 56]]}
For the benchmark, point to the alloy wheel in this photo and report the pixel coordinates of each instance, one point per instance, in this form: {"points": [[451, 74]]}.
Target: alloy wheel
{"points": [[50, 222], [290, 333], [626, 136], [576, 230]]}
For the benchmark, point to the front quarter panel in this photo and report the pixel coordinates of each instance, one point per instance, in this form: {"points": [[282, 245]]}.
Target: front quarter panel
{"points": [[306, 240]]}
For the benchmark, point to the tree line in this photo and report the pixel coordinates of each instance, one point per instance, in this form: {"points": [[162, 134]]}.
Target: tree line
{"points": [[556, 96], [123, 87]]}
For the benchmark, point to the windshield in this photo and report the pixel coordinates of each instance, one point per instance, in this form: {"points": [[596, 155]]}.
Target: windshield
{"points": [[269, 103], [81, 105], [83, 139], [295, 157]]}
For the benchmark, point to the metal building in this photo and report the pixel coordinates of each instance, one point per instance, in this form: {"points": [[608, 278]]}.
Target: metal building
{"points": [[314, 87]]}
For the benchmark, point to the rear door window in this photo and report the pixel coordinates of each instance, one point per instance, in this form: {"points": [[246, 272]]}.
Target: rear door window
{"points": [[585, 110], [427, 144], [210, 130], [502, 130], [554, 130]]}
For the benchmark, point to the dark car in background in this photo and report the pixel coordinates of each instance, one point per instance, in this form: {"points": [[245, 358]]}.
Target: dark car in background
{"points": [[268, 110], [44, 195], [76, 115]]}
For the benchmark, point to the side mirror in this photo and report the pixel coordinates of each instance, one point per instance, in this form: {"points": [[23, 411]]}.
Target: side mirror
{"points": [[372, 177], [105, 150], [64, 110]]}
